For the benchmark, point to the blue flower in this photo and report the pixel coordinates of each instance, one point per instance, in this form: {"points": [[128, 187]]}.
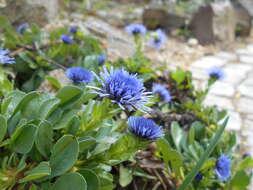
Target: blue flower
{"points": [[134, 29], [101, 60], [124, 89], [21, 29], [216, 72], [199, 177], [144, 128], [157, 39], [66, 39], [79, 75], [162, 92], [223, 166], [246, 155], [4, 58], [73, 29]]}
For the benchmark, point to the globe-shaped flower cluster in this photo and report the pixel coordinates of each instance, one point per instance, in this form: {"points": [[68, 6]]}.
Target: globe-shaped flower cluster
{"points": [[144, 128], [124, 89]]}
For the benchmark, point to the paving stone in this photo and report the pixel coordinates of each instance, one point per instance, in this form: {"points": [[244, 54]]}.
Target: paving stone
{"points": [[227, 56], [243, 51], [223, 89], [245, 105], [246, 59], [246, 90], [221, 102], [234, 122], [200, 74], [235, 73], [208, 62]]}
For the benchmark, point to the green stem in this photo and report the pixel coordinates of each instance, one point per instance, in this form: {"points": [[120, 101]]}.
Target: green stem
{"points": [[204, 157]]}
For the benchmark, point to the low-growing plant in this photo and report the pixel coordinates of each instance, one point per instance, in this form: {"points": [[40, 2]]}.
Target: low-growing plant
{"points": [[109, 128]]}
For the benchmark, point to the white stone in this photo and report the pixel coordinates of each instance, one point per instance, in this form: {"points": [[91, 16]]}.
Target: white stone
{"points": [[208, 62], [246, 59], [235, 73], [234, 122], [245, 105], [227, 56], [246, 90], [222, 89], [221, 102], [199, 74]]}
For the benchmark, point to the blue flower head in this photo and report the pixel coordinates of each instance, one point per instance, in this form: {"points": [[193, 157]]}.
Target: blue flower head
{"points": [[66, 39], [21, 29], [101, 60], [73, 29], [216, 73], [144, 128], [157, 39], [162, 92], [246, 155], [223, 166], [79, 75], [135, 29], [199, 177], [124, 89], [5, 58]]}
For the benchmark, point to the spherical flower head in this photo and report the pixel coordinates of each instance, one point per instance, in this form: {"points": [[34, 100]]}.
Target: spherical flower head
{"points": [[101, 60], [4, 58], [66, 39], [73, 29], [246, 155], [199, 177], [124, 89], [144, 128], [216, 73], [79, 75], [136, 29], [21, 29], [223, 167], [162, 92], [157, 39]]}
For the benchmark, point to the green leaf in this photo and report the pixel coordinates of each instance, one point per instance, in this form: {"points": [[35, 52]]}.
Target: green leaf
{"points": [[246, 163], [164, 147], [125, 176], [3, 127], [204, 156], [179, 76], [70, 181], [54, 82], [86, 142], [44, 139], [25, 100], [48, 107], [23, 139], [68, 95], [42, 170], [177, 134], [64, 155], [91, 178], [240, 180]]}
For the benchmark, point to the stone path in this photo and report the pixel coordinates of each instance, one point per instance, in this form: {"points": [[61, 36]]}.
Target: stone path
{"points": [[235, 92]]}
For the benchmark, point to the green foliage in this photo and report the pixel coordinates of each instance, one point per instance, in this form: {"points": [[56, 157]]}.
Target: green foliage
{"points": [[77, 140]]}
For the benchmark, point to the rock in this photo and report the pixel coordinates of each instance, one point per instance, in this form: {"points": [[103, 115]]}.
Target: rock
{"points": [[117, 44], [193, 42], [243, 19], [220, 21], [201, 25], [39, 12], [247, 4], [154, 18]]}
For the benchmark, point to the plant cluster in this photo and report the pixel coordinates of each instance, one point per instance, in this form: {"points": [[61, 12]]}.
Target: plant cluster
{"points": [[117, 125]]}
